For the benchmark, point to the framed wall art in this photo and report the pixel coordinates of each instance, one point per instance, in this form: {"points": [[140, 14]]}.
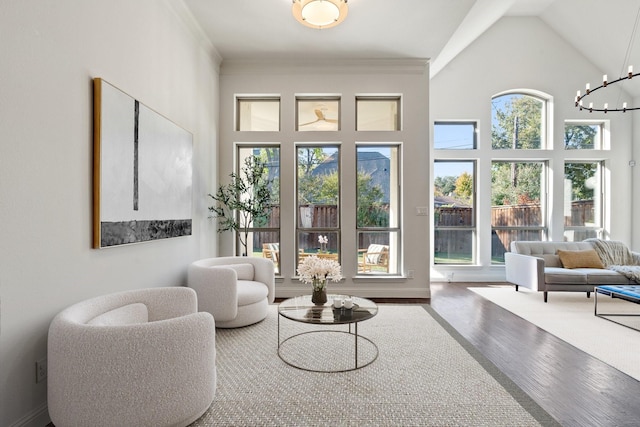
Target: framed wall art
{"points": [[142, 176]]}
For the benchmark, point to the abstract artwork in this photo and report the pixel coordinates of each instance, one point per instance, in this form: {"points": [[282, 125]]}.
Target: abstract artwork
{"points": [[142, 171]]}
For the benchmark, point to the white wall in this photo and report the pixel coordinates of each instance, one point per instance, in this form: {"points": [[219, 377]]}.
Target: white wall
{"points": [[50, 52], [408, 78], [524, 53], [635, 180]]}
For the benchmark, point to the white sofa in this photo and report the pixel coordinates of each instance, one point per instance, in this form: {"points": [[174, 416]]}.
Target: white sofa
{"points": [[135, 358], [536, 265], [236, 290]]}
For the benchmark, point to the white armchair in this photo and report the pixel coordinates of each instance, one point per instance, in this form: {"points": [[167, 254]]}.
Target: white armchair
{"points": [[237, 291], [136, 358]]}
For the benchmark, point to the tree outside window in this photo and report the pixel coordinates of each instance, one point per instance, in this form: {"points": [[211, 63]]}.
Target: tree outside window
{"points": [[454, 212], [318, 195], [517, 122], [582, 136], [582, 200]]}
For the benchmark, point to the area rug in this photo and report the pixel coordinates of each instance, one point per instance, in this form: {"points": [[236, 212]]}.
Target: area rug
{"points": [[425, 375], [570, 317]]}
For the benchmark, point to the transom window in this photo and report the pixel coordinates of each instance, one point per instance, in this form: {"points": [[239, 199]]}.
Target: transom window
{"points": [[317, 114], [583, 135], [517, 122], [455, 135], [377, 113], [259, 114]]}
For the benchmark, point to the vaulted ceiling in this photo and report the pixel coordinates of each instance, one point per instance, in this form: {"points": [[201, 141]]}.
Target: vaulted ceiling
{"points": [[434, 29]]}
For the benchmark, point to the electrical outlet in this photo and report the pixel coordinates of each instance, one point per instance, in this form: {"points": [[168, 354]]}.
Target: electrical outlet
{"points": [[41, 370], [410, 274], [449, 277]]}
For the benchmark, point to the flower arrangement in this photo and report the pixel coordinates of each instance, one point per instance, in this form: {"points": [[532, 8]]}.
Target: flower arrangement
{"points": [[323, 240], [317, 271]]}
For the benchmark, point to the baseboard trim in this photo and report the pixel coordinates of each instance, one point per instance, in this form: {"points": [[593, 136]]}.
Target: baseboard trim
{"points": [[38, 417]]}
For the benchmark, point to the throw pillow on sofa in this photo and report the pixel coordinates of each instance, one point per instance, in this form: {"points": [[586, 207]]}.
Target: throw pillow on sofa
{"points": [[580, 259]]}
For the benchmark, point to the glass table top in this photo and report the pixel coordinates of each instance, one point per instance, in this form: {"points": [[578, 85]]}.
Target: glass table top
{"points": [[301, 309]]}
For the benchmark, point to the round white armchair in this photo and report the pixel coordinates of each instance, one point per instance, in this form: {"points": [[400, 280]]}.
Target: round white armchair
{"points": [[135, 358], [236, 290]]}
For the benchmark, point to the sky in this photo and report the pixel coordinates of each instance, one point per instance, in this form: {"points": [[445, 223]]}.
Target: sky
{"points": [[453, 136]]}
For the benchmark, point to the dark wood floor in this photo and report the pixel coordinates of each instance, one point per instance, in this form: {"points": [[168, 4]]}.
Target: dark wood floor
{"points": [[573, 387]]}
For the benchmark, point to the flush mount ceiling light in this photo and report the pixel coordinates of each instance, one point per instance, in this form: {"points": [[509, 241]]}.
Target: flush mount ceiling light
{"points": [[320, 14]]}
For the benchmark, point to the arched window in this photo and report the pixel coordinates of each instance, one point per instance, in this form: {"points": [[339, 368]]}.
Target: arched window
{"points": [[518, 121], [518, 186]]}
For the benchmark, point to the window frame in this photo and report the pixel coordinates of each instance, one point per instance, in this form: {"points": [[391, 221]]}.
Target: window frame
{"points": [[473, 123], [299, 228], [599, 202], [319, 99], [600, 140], [239, 159], [543, 228], [394, 231], [474, 223], [239, 99], [545, 118], [380, 98]]}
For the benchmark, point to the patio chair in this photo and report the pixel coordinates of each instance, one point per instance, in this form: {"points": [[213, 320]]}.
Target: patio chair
{"points": [[374, 256], [271, 251]]}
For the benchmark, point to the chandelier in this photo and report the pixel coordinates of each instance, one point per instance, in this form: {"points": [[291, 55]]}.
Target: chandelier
{"points": [[580, 98], [605, 84], [320, 13]]}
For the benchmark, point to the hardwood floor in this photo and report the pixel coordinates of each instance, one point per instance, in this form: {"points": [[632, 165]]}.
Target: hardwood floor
{"points": [[573, 387]]}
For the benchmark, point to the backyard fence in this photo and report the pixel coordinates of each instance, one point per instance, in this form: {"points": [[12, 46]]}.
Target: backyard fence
{"points": [[581, 213]]}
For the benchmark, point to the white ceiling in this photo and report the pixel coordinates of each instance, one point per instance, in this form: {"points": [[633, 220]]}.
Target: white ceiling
{"points": [[433, 29]]}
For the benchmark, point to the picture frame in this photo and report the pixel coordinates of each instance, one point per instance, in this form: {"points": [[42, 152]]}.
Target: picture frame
{"points": [[142, 171]]}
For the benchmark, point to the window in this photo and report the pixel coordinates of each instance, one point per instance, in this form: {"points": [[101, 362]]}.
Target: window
{"points": [[378, 208], [518, 191], [582, 136], [318, 196], [454, 212], [317, 114], [258, 114], [377, 113], [264, 237], [582, 200], [455, 135], [517, 122]]}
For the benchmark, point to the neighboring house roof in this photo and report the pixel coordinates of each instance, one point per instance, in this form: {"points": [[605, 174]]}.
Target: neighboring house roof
{"points": [[439, 201], [373, 163]]}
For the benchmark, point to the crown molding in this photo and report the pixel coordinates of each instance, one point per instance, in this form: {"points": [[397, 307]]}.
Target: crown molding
{"points": [[180, 9], [325, 66]]}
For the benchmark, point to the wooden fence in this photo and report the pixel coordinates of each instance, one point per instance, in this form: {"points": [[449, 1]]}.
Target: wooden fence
{"points": [[581, 214], [314, 216], [459, 241]]}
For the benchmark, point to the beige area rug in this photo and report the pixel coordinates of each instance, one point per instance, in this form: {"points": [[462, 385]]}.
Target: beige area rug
{"points": [[570, 317], [425, 375]]}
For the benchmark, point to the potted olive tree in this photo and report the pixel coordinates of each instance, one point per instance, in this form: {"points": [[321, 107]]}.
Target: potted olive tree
{"points": [[244, 202]]}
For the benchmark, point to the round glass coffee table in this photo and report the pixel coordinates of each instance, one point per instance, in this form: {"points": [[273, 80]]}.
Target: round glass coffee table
{"points": [[325, 348]]}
